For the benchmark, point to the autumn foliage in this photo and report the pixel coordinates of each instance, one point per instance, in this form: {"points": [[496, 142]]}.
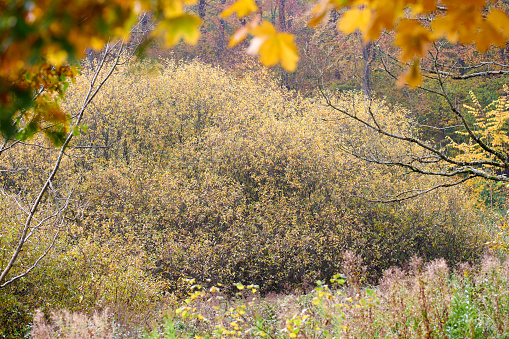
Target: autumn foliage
{"points": [[194, 193], [184, 170]]}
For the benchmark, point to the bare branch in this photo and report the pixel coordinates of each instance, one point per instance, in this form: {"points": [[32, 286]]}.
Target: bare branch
{"points": [[94, 87], [376, 127], [498, 154], [419, 192]]}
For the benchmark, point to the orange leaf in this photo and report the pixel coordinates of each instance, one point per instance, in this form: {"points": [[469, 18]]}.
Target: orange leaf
{"points": [[412, 76], [412, 38]]}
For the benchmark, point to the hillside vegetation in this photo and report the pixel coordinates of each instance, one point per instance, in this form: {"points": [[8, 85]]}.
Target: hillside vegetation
{"points": [[187, 171]]}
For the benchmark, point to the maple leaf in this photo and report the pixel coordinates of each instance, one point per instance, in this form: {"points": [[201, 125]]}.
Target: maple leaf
{"points": [[241, 33], [412, 38], [241, 7], [55, 55], [412, 76], [274, 47], [354, 19], [424, 7], [184, 26], [498, 19], [488, 30], [383, 18], [321, 8]]}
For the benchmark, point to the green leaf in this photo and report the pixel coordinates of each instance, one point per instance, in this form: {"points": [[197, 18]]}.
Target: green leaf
{"points": [[184, 26]]}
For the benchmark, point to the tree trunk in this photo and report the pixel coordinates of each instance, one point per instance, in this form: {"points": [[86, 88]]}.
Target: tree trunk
{"points": [[259, 3], [220, 42], [333, 17], [368, 54], [201, 13], [282, 15]]}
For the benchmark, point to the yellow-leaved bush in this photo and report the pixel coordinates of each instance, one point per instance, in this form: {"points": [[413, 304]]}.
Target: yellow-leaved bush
{"points": [[231, 178], [188, 171]]}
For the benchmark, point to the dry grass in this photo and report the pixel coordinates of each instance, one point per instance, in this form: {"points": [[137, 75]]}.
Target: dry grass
{"points": [[425, 300], [64, 324]]}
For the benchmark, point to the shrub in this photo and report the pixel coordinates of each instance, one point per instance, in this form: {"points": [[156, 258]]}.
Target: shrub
{"points": [[201, 173], [83, 276], [233, 179]]}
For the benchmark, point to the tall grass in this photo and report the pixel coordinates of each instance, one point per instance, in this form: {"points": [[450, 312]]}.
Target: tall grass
{"points": [[424, 300]]}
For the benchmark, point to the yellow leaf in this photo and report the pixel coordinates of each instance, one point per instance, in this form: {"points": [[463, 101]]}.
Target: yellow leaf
{"points": [[241, 33], [265, 29], [499, 20], [471, 4], [354, 19], [97, 43], [445, 26], [321, 8], [469, 26], [488, 35], [55, 55], [241, 7], [274, 47], [383, 18], [412, 76], [460, 25], [424, 7], [175, 7]]}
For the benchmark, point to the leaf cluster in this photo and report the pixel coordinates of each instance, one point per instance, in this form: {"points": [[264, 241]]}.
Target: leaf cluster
{"points": [[257, 174]]}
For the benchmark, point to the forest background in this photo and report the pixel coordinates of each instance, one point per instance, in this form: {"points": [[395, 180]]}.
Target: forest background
{"points": [[198, 164]]}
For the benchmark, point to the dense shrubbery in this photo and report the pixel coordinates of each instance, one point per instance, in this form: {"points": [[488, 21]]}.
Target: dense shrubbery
{"points": [[204, 174], [234, 179], [83, 276]]}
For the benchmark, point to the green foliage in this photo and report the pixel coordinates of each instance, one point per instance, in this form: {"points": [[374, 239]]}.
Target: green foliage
{"points": [[464, 320]]}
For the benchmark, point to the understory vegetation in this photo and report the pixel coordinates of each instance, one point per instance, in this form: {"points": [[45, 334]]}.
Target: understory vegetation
{"points": [[187, 172], [425, 300]]}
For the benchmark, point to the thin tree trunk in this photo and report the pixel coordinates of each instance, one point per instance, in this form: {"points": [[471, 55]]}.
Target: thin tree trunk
{"points": [[259, 3], [282, 27], [368, 54], [221, 41], [201, 13], [282, 15], [31, 224]]}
